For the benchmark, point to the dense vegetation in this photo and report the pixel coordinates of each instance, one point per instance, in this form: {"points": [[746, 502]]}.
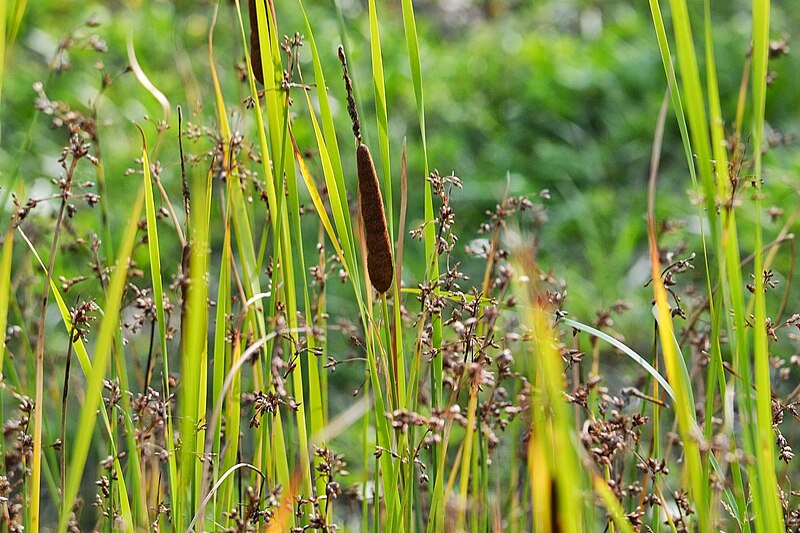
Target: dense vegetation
{"points": [[487, 266]]}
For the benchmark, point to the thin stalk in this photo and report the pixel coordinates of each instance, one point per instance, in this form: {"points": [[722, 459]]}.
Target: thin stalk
{"points": [[36, 468]]}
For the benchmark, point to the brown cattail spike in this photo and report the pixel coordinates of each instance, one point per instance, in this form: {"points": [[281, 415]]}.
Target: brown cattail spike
{"points": [[379, 251], [255, 42], [379, 247]]}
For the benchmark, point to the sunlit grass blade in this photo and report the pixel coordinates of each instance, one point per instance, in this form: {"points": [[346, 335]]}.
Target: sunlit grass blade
{"points": [[612, 504], [322, 212], [724, 190], [677, 104], [158, 299], [294, 273], [672, 82], [338, 209], [693, 95], [242, 225], [678, 377], [194, 336], [15, 21], [5, 288], [221, 350], [767, 481], [553, 449], [3, 44], [677, 372]]}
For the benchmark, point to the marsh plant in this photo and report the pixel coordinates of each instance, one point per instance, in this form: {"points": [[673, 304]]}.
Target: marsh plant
{"points": [[280, 328]]}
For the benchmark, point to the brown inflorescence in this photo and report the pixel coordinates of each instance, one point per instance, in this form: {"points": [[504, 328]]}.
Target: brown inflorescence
{"points": [[255, 43], [379, 252]]}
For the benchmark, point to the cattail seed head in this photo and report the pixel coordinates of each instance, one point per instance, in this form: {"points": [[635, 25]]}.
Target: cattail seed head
{"points": [[379, 251], [255, 42]]}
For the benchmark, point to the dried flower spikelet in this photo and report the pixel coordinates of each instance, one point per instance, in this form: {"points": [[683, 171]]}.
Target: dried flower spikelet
{"points": [[379, 252], [255, 42]]}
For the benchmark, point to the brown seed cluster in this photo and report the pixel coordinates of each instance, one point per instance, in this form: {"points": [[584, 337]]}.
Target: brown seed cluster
{"points": [[255, 42], [379, 249]]}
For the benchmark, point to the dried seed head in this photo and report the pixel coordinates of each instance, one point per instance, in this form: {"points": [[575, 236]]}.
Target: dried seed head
{"points": [[379, 252], [255, 42], [351, 102]]}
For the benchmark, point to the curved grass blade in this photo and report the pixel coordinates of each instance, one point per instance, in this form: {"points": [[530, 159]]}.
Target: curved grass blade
{"points": [[216, 487], [638, 359]]}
